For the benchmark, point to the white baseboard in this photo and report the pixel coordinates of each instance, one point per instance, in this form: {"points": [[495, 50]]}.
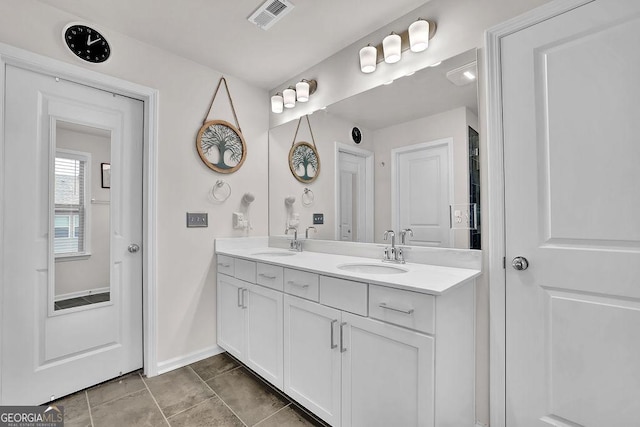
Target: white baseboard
{"points": [[180, 361], [83, 293]]}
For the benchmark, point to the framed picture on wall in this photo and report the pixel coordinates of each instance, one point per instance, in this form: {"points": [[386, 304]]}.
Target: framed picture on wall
{"points": [[106, 175]]}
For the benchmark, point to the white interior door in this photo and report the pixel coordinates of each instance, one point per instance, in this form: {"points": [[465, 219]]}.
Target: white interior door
{"points": [[422, 192], [570, 111], [71, 291], [352, 197]]}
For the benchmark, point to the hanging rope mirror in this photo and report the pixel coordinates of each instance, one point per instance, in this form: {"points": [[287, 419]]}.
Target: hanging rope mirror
{"points": [[220, 144], [304, 160]]}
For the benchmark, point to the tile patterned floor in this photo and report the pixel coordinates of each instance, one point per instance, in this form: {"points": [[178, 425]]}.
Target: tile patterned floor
{"points": [[85, 300], [218, 391]]}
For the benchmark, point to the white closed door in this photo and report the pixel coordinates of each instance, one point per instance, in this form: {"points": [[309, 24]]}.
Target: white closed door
{"points": [[421, 192], [387, 375], [352, 197], [312, 357], [72, 236], [231, 327], [570, 111]]}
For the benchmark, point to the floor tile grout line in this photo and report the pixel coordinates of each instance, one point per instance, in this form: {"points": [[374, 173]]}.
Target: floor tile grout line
{"points": [[216, 376], [269, 416], [119, 397], [86, 396], [218, 396], [189, 408], [154, 400]]}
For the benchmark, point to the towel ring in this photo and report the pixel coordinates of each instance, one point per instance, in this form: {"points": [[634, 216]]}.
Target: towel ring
{"points": [[220, 191], [307, 197]]}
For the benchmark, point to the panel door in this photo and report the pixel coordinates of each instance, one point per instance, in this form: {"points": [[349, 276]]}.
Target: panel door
{"points": [[69, 321], [312, 357], [352, 197], [422, 192], [570, 94], [264, 348], [387, 375], [231, 326]]}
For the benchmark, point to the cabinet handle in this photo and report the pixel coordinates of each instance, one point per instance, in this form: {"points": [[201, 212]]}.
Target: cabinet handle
{"points": [[342, 347], [333, 322], [221, 264], [244, 305], [399, 310], [239, 297], [300, 285], [266, 276]]}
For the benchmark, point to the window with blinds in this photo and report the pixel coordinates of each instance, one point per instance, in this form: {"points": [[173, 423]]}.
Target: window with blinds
{"points": [[70, 221]]}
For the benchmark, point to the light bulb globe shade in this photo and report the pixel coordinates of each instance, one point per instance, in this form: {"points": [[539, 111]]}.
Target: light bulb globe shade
{"points": [[391, 46], [368, 56], [419, 35], [289, 96], [277, 105], [302, 91]]}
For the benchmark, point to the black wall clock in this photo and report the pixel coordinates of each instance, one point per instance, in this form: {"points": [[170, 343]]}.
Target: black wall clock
{"points": [[356, 135], [86, 43]]}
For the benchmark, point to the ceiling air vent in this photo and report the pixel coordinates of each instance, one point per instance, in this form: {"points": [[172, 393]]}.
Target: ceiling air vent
{"points": [[270, 12]]}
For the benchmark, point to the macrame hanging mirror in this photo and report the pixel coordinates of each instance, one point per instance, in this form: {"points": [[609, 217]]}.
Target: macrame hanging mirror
{"points": [[304, 160], [220, 144]]}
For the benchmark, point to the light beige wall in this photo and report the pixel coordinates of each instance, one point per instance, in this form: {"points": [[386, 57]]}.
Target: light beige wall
{"points": [[327, 130], [186, 271], [88, 274]]}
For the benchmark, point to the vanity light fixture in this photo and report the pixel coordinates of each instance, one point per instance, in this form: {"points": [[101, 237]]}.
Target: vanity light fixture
{"points": [[415, 38], [419, 35], [392, 48], [289, 96], [277, 103], [287, 99]]}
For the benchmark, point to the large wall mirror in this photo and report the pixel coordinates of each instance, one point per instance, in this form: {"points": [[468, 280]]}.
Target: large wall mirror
{"points": [[415, 167]]}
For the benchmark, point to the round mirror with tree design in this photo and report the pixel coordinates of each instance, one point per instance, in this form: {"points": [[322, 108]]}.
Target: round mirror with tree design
{"points": [[221, 146], [304, 162]]}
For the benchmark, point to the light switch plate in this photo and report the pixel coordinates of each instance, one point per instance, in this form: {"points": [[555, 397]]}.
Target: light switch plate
{"points": [[318, 218], [197, 219]]}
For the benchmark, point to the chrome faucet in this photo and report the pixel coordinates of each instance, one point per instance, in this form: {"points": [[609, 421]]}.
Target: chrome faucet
{"points": [[295, 244], [393, 254], [306, 232]]}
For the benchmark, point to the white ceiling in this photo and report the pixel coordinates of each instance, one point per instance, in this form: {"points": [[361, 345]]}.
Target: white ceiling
{"points": [[425, 93], [217, 34]]}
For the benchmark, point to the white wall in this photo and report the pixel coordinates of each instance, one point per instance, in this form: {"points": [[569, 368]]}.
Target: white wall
{"points": [[186, 272], [87, 274], [327, 129]]}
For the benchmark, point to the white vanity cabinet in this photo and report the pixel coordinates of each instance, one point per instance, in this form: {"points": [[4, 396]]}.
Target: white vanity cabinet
{"points": [[250, 319], [356, 354]]}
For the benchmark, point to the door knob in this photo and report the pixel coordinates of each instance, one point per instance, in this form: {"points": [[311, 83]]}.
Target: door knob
{"points": [[520, 263], [133, 248]]}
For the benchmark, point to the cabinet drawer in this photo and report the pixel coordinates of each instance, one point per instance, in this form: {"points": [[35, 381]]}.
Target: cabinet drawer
{"points": [[344, 294], [225, 265], [245, 270], [403, 308], [301, 283], [270, 276]]}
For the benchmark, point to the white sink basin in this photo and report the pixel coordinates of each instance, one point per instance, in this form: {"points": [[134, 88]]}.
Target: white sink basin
{"points": [[372, 268], [274, 253]]}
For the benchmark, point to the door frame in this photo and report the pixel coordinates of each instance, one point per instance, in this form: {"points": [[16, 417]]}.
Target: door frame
{"points": [[495, 208], [369, 192], [10, 55], [395, 153]]}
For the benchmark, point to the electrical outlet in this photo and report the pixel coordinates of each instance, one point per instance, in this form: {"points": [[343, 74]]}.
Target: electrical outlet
{"points": [[318, 218], [197, 219]]}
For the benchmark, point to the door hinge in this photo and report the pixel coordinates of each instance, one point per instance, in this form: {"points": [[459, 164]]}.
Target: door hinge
{"points": [[504, 263]]}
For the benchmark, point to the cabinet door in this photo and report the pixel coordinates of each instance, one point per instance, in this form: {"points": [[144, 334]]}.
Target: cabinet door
{"points": [[264, 347], [231, 317], [312, 357], [387, 375]]}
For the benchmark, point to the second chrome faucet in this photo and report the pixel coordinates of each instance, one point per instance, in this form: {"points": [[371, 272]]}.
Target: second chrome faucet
{"points": [[394, 254]]}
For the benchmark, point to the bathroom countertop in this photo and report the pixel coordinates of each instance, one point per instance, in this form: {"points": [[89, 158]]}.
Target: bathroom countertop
{"points": [[423, 278]]}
